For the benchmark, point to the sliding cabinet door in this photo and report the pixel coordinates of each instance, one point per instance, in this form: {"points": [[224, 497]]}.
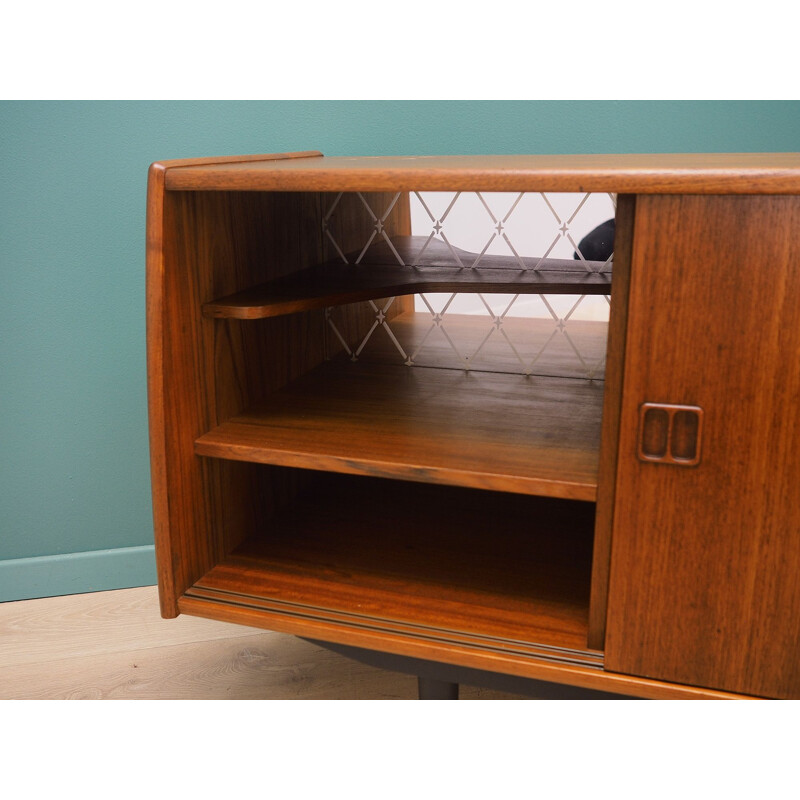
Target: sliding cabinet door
{"points": [[705, 569]]}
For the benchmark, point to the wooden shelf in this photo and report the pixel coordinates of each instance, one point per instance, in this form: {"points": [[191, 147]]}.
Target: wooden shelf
{"points": [[529, 435], [379, 274], [400, 557]]}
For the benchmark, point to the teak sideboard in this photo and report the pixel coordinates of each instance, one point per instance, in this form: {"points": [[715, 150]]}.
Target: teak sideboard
{"points": [[638, 534]]}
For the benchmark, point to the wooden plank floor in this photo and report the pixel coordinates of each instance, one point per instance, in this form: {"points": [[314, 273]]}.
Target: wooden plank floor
{"points": [[114, 645]]}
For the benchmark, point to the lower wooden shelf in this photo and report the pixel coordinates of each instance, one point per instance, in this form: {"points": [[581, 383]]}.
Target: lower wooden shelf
{"points": [[512, 433], [482, 570]]}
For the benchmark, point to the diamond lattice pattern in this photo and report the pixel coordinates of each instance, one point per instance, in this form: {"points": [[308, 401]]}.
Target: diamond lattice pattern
{"points": [[522, 333]]}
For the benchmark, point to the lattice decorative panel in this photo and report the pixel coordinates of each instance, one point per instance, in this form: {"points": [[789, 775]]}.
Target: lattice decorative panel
{"points": [[530, 334]]}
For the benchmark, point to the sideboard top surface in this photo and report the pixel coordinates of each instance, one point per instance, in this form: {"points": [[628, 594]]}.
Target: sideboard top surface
{"points": [[666, 173]]}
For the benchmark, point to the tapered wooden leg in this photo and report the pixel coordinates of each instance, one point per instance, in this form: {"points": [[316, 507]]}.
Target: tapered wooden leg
{"points": [[431, 689]]}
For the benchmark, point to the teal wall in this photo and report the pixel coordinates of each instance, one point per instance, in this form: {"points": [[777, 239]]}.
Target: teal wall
{"points": [[74, 484]]}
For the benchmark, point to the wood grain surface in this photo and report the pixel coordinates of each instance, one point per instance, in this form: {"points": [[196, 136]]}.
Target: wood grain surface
{"points": [[612, 403], [420, 554], [509, 664], [201, 246], [174, 332], [699, 599], [667, 173], [705, 559], [491, 582], [483, 430]]}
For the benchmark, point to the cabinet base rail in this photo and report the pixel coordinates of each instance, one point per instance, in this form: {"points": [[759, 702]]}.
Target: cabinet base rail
{"points": [[550, 668], [365, 623]]}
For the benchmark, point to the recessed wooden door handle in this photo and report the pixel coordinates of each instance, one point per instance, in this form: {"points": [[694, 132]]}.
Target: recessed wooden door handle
{"points": [[670, 433]]}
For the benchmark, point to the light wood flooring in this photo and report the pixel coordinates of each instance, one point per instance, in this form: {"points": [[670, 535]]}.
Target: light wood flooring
{"points": [[114, 645]]}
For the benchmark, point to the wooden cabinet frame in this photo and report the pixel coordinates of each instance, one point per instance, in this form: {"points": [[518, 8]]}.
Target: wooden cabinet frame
{"points": [[544, 548]]}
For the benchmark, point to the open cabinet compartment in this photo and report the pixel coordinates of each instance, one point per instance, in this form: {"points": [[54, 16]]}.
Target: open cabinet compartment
{"points": [[323, 465], [357, 556], [338, 493]]}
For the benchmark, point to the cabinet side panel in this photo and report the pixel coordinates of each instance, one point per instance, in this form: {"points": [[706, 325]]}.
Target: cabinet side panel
{"points": [[612, 400], [217, 243], [703, 586], [257, 237], [181, 376], [260, 237], [155, 387]]}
